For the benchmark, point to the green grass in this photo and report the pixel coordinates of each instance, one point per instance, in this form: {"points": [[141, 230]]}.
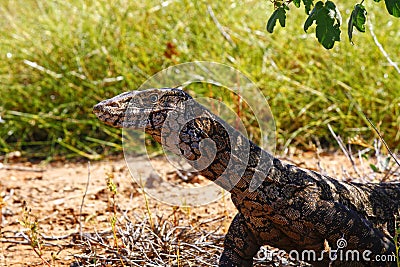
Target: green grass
{"points": [[59, 58]]}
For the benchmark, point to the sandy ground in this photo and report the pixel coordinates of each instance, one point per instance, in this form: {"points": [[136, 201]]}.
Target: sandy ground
{"points": [[52, 195]]}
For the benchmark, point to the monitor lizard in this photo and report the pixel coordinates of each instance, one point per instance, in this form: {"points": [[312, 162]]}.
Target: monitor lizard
{"points": [[278, 204]]}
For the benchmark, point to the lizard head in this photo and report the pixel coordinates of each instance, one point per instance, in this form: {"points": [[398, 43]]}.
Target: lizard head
{"points": [[140, 109]]}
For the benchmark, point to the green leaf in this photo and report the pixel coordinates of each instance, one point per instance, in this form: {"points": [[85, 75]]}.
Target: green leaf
{"points": [[307, 5], [328, 20], [393, 7], [357, 19], [377, 1], [360, 17], [374, 168], [327, 33], [311, 18], [334, 12], [351, 25], [278, 14]]}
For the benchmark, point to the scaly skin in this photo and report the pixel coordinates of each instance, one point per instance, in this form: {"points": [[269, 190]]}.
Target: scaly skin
{"points": [[278, 204]]}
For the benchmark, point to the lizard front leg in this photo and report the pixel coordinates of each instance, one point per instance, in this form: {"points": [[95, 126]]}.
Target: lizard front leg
{"points": [[240, 245]]}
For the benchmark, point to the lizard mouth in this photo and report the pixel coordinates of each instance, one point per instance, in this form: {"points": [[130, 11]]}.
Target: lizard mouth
{"points": [[139, 118], [129, 117]]}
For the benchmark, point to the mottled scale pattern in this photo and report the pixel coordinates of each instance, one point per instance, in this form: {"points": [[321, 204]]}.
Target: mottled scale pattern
{"points": [[278, 204]]}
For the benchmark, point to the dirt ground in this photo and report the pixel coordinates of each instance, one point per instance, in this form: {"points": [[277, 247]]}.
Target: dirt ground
{"points": [[54, 204]]}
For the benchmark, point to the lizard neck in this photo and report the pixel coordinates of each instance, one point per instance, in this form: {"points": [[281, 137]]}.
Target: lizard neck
{"points": [[214, 148]]}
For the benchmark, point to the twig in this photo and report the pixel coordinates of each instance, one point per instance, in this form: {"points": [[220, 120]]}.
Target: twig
{"points": [[345, 151], [24, 169], [89, 192], [42, 69], [28, 242], [36, 249], [83, 200], [46, 237], [383, 141], [390, 172], [219, 26], [298, 164], [378, 44], [220, 218], [359, 110], [127, 260]]}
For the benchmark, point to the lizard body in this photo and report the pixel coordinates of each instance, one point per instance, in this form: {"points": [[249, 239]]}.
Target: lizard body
{"points": [[278, 204]]}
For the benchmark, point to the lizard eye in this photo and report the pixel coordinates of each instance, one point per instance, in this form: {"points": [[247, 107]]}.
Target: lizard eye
{"points": [[153, 98]]}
